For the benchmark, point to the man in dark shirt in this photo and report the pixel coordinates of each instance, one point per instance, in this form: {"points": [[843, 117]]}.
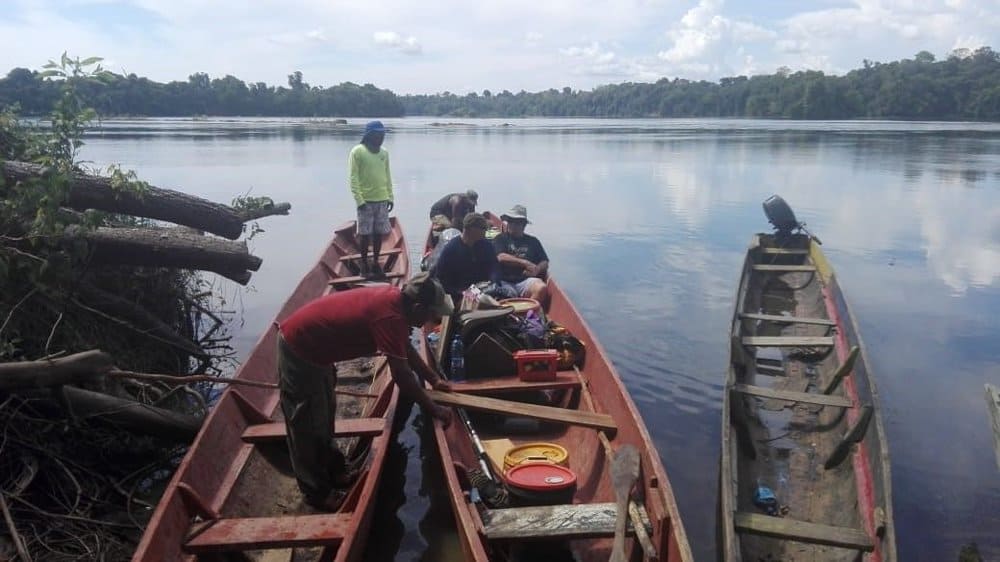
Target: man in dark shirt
{"points": [[449, 211], [467, 259], [523, 262], [337, 327]]}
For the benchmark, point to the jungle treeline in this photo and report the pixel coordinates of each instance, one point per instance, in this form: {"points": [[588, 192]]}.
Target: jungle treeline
{"points": [[963, 86]]}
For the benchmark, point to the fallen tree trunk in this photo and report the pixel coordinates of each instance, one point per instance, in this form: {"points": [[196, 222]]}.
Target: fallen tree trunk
{"points": [[168, 247], [130, 415], [96, 192], [74, 368], [137, 318], [265, 211]]}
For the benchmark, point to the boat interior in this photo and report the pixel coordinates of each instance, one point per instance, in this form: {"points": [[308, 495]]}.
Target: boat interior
{"points": [[792, 487]]}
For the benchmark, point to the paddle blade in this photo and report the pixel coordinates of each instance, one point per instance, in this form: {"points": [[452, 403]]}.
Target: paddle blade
{"points": [[624, 473], [624, 470]]}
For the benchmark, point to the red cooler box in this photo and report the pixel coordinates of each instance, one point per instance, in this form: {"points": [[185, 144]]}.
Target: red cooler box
{"points": [[536, 364]]}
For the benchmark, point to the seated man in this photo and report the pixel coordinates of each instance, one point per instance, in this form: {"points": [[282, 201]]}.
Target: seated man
{"points": [[467, 259], [523, 261], [449, 211]]}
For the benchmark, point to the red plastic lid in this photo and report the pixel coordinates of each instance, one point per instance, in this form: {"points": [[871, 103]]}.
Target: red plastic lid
{"points": [[541, 476]]}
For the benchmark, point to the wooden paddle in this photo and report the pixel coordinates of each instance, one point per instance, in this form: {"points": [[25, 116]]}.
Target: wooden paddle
{"points": [[624, 473]]}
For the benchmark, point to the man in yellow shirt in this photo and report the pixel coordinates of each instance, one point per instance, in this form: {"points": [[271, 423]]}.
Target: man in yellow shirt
{"points": [[371, 185]]}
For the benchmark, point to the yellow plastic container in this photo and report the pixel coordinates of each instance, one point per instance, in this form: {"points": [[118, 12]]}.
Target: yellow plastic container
{"points": [[535, 452]]}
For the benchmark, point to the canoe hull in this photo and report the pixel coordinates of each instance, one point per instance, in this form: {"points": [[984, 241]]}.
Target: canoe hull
{"points": [[779, 434], [586, 458], [223, 477]]}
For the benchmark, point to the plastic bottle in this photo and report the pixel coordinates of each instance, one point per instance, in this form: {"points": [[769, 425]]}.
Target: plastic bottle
{"points": [[763, 498], [457, 359]]}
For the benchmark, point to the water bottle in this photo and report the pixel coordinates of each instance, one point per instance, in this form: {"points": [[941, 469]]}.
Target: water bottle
{"points": [[764, 498], [457, 359]]}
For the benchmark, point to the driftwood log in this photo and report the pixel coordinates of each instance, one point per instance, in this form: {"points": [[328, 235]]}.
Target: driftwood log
{"points": [[75, 368], [128, 414], [96, 192], [135, 318], [27, 376], [168, 247]]}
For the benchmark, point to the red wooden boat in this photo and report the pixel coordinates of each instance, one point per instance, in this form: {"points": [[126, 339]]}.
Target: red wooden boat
{"points": [[580, 527], [234, 492], [805, 466]]}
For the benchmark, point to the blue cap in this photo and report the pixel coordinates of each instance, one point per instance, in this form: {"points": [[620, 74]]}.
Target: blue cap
{"points": [[374, 127]]}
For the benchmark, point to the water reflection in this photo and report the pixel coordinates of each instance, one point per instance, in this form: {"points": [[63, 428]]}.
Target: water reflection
{"points": [[646, 222]]}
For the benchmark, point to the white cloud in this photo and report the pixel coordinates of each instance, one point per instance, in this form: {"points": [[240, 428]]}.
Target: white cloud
{"points": [[511, 45], [970, 42], [707, 42], [393, 40]]}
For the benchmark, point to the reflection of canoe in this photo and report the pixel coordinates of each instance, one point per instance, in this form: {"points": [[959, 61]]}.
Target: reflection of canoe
{"points": [[234, 490], [584, 525], [793, 410]]}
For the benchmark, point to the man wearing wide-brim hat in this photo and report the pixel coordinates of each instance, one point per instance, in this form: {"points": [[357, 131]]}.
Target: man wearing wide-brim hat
{"points": [[524, 265]]}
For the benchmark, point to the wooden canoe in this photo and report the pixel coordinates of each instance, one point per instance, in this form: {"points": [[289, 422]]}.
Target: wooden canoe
{"points": [[583, 528], [234, 492], [800, 417]]}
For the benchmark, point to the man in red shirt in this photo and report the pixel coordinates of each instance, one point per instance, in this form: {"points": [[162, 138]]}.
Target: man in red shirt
{"points": [[337, 327]]}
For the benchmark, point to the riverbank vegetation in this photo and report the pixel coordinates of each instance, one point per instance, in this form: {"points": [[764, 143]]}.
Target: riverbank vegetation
{"points": [[963, 86], [99, 293]]}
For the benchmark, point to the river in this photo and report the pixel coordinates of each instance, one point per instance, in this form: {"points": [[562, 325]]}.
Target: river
{"points": [[646, 223]]}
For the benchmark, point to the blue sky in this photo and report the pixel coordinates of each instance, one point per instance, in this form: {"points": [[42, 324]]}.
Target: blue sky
{"points": [[459, 46]]}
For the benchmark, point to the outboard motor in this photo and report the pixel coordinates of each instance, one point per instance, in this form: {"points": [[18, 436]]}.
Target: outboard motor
{"points": [[780, 215], [428, 261]]}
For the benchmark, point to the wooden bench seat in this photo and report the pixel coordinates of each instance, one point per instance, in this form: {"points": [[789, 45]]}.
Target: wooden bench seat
{"points": [[791, 396], [790, 529], [786, 251], [389, 252], [258, 533], [603, 422], [787, 319], [783, 268], [787, 341], [571, 521], [359, 279], [350, 427]]}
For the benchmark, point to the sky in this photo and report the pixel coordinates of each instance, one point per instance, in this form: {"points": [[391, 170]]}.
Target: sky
{"points": [[459, 46]]}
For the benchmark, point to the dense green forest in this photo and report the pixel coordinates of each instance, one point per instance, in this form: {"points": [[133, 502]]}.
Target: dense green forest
{"points": [[964, 86], [115, 94]]}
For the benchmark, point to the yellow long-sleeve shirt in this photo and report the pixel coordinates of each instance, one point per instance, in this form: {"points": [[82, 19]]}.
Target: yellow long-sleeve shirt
{"points": [[369, 175]]}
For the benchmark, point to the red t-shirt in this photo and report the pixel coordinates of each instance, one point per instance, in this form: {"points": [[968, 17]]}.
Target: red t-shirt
{"points": [[349, 324]]}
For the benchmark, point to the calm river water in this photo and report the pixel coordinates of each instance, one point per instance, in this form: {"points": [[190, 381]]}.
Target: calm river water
{"points": [[646, 222]]}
